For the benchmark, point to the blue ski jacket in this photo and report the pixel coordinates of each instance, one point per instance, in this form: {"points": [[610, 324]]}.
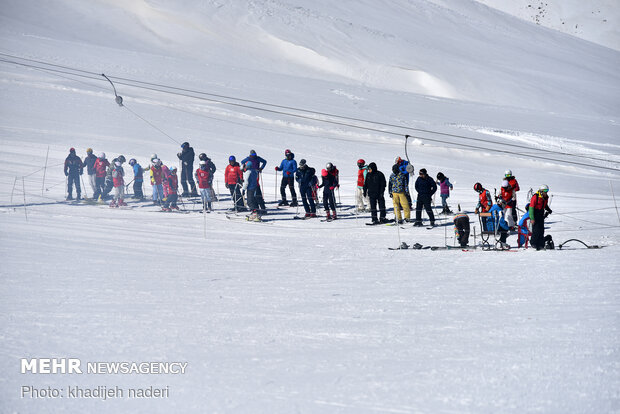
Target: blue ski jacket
{"points": [[288, 167]]}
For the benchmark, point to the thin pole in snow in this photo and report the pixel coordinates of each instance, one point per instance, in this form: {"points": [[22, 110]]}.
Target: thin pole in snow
{"points": [[275, 187], [614, 197], [45, 170], [204, 217], [24, 191], [13, 190]]}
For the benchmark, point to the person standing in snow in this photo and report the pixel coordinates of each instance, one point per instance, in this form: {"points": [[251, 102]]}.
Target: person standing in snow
{"points": [[461, 228], [101, 167], [426, 187], [138, 179], [171, 189], [305, 176], [119, 185], [187, 167], [397, 191], [157, 179], [258, 164], [510, 186], [288, 166], [538, 211], [89, 163], [485, 201], [203, 176], [497, 222], [374, 188], [407, 169], [329, 183], [233, 178], [252, 190], [73, 170], [524, 232], [361, 201], [444, 191], [211, 167]]}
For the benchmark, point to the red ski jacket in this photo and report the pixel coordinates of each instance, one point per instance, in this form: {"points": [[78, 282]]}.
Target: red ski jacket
{"points": [[233, 174], [101, 167], [202, 176]]}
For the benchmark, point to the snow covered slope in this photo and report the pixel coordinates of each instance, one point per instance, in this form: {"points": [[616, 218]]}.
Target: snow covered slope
{"points": [[307, 316], [596, 20]]}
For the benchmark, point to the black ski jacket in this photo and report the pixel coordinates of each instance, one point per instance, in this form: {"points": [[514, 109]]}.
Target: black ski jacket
{"points": [[375, 183]]}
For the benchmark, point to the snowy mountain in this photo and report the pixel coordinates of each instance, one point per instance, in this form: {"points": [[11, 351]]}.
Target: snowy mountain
{"points": [[305, 315]]}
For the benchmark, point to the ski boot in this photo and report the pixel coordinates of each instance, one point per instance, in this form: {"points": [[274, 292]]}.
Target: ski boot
{"points": [[313, 215], [166, 209], [69, 197], [328, 215], [294, 203], [334, 215], [113, 204], [174, 207], [283, 203], [121, 202]]}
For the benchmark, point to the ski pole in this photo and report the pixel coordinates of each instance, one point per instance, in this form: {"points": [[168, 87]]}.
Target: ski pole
{"points": [[275, 187], [83, 186]]}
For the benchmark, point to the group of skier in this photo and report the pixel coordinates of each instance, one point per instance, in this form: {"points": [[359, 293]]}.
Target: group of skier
{"points": [[243, 180]]}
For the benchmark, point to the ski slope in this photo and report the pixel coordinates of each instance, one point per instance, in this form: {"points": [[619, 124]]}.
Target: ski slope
{"points": [[308, 316]]}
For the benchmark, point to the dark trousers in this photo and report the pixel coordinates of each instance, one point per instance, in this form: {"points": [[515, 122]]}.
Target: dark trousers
{"points": [[424, 200], [99, 186], [537, 240], [255, 199], [171, 200], [186, 177], [235, 193], [73, 179], [373, 207], [137, 189], [461, 224], [328, 199], [307, 200], [290, 182]]}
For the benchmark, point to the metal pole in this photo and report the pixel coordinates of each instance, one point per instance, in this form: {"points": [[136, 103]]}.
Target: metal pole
{"points": [[45, 170], [614, 197], [24, 191]]}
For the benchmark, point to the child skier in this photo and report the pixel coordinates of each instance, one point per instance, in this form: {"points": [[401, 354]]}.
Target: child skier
{"points": [[157, 179], [119, 185], [171, 190], [444, 191], [360, 200], [252, 190], [203, 175], [138, 179], [101, 167], [461, 228]]}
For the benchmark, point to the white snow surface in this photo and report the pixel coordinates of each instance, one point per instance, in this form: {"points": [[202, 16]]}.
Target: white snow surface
{"points": [[307, 316]]}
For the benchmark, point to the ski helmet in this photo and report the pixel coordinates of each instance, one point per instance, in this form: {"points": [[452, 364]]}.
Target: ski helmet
{"points": [[252, 153], [286, 152], [121, 158], [544, 188], [302, 163], [154, 156], [72, 150], [232, 158], [89, 150], [132, 162], [440, 176], [102, 155], [329, 166], [478, 187], [505, 184], [508, 173], [361, 162], [185, 145]]}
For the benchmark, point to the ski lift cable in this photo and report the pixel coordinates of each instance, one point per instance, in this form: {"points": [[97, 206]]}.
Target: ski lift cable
{"points": [[469, 146]]}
